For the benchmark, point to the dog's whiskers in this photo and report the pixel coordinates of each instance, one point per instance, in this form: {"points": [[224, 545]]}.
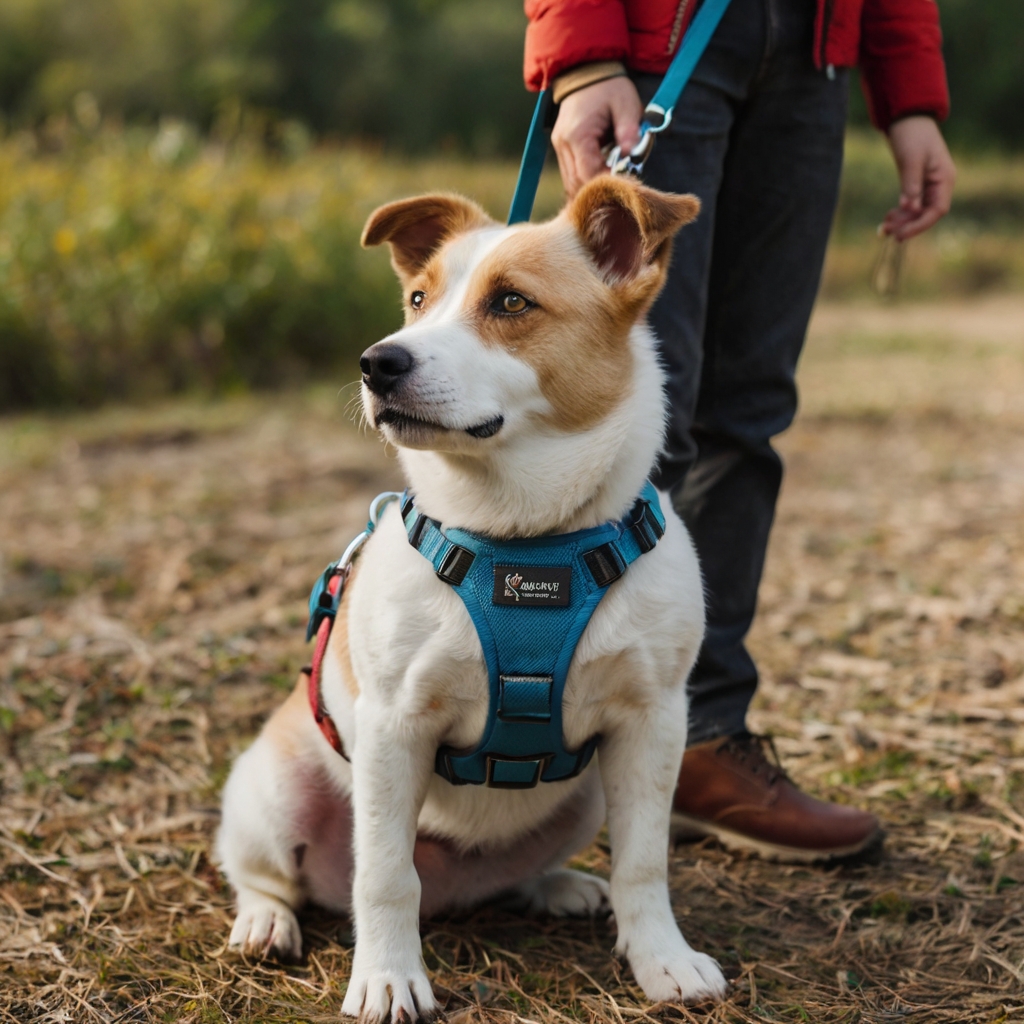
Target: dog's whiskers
{"points": [[355, 411]]}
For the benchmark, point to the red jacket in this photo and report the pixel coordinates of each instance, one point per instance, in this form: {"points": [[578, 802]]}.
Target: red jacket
{"points": [[897, 44]]}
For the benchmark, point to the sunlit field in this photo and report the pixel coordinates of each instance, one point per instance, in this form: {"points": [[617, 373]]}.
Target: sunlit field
{"points": [[135, 264]]}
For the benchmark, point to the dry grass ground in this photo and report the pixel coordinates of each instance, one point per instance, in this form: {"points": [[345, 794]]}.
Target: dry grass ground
{"points": [[156, 564]]}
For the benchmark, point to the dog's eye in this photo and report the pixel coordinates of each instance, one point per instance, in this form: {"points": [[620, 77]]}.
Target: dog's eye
{"points": [[417, 299], [510, 302]]}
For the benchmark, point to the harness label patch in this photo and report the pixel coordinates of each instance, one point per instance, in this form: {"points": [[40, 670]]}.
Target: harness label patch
{"points": [[532, 586]]}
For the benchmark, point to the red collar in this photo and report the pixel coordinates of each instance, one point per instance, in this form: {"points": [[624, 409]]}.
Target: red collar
{"points": [[315, 673], [324, 602]]}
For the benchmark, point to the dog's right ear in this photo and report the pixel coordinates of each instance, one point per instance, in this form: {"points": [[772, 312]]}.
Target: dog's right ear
{"points": [[626, 227], [416, 228]]}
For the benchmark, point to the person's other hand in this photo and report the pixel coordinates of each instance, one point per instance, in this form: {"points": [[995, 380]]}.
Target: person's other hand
{"points": [[587, 119], [926, 174]]}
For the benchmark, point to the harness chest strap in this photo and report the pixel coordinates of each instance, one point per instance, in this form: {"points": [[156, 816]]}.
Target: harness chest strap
{"points": [[530, 601]]}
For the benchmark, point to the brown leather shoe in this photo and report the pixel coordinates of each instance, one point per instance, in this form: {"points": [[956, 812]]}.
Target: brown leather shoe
{"points": [[728, 788]]}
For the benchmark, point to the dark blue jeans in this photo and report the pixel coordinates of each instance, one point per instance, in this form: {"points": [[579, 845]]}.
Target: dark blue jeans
{"points": [[758, 136]]}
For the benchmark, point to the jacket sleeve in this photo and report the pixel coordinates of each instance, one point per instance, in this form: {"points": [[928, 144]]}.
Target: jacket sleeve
{"points": [[901, 60], [564, 33]]}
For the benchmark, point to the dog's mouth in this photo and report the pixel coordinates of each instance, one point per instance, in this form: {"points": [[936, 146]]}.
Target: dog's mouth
{"points": [[403, 422]]}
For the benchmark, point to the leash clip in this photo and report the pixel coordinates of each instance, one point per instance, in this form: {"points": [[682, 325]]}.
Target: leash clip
{"points": [[632, 162], [324, 601]]}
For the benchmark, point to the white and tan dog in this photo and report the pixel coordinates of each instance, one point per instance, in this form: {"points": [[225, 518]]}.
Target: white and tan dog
{"points": [[525, 397]]}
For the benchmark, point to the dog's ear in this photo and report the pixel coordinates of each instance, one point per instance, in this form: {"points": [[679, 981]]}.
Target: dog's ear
{"points": [[626, 226], [416, 228]]}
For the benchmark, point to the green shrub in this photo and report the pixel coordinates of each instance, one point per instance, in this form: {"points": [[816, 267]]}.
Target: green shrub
{"points": [[137, 263]]}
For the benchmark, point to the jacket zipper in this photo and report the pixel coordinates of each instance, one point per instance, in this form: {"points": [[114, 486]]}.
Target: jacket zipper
{"points": [[826, 22], [677, 24]]}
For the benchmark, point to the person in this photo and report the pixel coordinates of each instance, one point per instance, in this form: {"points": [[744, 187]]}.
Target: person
{"points": [[758, 136]]}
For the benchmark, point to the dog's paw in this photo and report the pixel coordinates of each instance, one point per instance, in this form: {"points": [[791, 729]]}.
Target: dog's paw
{"points": [[403, 997], [563, 893], [266, 927], [681, 976]]}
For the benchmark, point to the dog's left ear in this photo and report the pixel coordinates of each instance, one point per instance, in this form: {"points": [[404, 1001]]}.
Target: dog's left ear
{"points": [[416, 228], [626, 226]]}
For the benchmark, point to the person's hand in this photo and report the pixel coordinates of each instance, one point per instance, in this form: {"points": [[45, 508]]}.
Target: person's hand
{"points": [[587, 119], [926, 174]]}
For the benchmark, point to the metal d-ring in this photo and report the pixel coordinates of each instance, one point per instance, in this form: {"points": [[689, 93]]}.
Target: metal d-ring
{"points": [[377, 507], [381, 502], [656, 110]]}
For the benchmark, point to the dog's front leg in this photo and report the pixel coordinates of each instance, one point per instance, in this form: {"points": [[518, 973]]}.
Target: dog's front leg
{"points": [[639, 762], [391, 767]]}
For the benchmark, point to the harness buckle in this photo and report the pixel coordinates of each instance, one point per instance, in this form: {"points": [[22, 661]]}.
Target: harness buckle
{"points": [[456, 562], [323, 604], [646, 529], [515, 772], [605, 564], [416, 533]]}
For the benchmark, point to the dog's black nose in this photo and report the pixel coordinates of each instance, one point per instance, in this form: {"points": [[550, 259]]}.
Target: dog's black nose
{"points": [[383, 365]]}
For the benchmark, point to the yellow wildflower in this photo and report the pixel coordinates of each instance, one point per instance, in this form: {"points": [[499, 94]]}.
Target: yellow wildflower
{"points": [[65, 241]]}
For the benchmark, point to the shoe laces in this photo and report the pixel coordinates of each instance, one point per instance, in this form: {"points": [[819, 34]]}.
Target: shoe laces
{"points": [[751, 751]]}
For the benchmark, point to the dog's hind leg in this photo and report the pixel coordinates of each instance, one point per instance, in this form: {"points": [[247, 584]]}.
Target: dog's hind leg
{"points": [[564, 892], [282, 821], [526, 874], [258, 857]]}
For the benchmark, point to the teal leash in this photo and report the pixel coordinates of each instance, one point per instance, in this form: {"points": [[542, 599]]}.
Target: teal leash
{"points": [[533, 161], [657, 115], [695, 42]]}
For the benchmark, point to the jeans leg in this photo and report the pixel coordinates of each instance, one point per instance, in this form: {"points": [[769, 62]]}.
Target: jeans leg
{"points": [[775, 206], [757, 136], [690, 157]]}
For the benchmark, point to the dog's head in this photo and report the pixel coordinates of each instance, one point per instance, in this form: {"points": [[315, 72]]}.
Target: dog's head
{"points": [[516, 334], [520, 375]]}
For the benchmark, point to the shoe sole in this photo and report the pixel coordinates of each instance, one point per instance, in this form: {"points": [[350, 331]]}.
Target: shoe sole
{"points": [[686, 829]]}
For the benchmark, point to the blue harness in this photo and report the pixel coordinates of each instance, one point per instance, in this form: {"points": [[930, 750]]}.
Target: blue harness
{"points": [[530, 600]]}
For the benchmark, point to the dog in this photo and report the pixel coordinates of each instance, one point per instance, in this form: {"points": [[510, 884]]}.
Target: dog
{"points": [[526, 399]]}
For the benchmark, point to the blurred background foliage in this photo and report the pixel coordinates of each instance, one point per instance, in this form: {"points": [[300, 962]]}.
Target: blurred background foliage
{"points": [[135, 263], [411, 75], [183, 182]]}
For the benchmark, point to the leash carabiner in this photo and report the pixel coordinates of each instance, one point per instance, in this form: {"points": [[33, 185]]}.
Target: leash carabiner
{"points": [[633, 162], [323, 603]]}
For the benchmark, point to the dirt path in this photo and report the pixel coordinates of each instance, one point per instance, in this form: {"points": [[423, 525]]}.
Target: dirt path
{"points": [[154, 574]]}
